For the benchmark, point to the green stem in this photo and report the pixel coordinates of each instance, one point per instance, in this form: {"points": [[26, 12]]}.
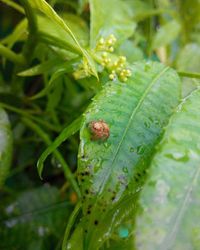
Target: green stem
{"points": [[189, 74], [47, 140], [26, 114], [70, 224], [10, 55], [32, 22], [13, 5]]}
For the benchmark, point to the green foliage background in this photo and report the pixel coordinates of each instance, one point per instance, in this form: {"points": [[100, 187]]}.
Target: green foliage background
{"points": [[140, 188]]}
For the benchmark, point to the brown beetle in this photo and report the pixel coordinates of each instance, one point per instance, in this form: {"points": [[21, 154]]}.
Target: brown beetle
{"points": [[99, 130]]}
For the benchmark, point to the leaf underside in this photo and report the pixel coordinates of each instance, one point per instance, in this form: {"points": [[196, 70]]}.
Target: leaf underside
{"points": [[135, 112]]}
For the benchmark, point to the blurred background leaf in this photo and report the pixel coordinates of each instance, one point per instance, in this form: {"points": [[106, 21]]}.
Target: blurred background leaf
{"points": [[34, 219], [6, 142]]}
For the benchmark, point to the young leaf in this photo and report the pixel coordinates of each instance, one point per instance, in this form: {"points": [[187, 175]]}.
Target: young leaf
{"points": [[169, 202], [18, 34], [66, 133], [110, 17], [79, 26], [10, 55], [5, 146], [58, 73], [40, 68], [45, 8], [135, 112], [47, 26]]}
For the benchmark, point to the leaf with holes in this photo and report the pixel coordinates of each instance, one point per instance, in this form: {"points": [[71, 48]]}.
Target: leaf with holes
{"points": [[169, 203], [135, 113], [5, 146]]}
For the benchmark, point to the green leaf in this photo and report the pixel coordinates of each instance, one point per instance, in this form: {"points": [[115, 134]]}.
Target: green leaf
{"points": [[166, 34], [19, 34], [170, 199], [10, 55], [136, 112], [40, 68], [130, 51], [45, 8], [58, 73], [36, 216], [66, 133], [189, 58], [110, 17], [5, 146], [47, 26], [79, 27], [139, 10]]}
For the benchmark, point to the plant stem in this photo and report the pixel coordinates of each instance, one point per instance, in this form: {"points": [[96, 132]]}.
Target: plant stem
{"points": [[70, 224], [57, 154], [32, 22], [13, 5], [189, 74], [12, 56], [26, 114]]}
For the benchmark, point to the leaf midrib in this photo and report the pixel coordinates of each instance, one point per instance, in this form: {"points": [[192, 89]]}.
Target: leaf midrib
{"points": [[135, 109]]}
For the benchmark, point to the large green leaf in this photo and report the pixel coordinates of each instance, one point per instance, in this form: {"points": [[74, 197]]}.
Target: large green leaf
{"points": [[169, 203], [136, 112], [5, 146], [110, 17]]}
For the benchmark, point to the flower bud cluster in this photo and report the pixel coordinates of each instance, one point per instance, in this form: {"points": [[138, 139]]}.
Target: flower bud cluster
{"points": [[106, 44], [117, 68]]}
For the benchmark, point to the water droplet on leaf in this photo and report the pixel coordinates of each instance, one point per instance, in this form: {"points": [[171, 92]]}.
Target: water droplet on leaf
{"points": [[140, 149], [106, 144], [125, 169], [132, 149], [147, 124]]}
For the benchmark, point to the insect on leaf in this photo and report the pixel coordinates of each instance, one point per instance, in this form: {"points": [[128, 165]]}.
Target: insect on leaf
{"points": [[135, 112]]}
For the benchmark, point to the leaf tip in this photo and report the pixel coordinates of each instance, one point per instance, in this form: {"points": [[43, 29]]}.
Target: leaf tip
{"points": [[40, 168]]}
